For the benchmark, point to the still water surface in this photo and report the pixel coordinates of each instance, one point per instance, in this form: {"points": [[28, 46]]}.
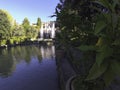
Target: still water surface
{"points": [[28, 68]]}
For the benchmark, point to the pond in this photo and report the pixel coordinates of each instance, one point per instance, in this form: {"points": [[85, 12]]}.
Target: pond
{"points": [[28, 68]]}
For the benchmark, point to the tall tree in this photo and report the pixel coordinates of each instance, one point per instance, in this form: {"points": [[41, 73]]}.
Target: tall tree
{"points": [[18, 30], [5, 24], [26, 25], [38, 23]]}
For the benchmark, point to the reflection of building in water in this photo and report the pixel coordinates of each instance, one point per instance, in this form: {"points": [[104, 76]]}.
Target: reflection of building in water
{"points": [[47, 30], [48, 52]]}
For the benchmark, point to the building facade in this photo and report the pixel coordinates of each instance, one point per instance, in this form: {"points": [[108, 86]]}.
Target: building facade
{"points": [[47, 30]]}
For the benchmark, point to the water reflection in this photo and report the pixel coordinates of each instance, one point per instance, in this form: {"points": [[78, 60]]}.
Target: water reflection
{"points": [[7, 65], [9, 58], [48, 52]]}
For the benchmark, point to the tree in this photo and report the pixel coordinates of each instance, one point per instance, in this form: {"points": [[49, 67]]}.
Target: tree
{"points": [[32, 32], [18, 30], [38, 23], [26, 25], [5, 24]]}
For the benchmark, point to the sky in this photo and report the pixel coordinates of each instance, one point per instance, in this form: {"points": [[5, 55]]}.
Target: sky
{"points": [[32, 9]]}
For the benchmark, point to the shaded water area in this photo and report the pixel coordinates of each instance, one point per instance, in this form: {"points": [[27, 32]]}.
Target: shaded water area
{"points": [[28, 68]]}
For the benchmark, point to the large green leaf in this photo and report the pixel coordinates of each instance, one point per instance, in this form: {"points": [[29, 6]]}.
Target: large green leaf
{"points": [[107, 4], [87, 48], [103, 3], [112, 72], [103, 53], [96, 71], [107, 17], [114, 20], [117, 42], [116, 67], [108, 76], [100, 25]]}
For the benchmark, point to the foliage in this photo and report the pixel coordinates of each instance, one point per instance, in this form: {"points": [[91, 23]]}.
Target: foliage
{"points": [[38, 23], [3, 42], [107, 30], [5, 24], [32, 32], [13, 33], [26, 25], [18, 30], [92, 25]]}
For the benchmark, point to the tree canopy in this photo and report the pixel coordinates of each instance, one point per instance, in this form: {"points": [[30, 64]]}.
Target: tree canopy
{"points": [[12, 32], [38, 23], [5, 24], [26, 24]]}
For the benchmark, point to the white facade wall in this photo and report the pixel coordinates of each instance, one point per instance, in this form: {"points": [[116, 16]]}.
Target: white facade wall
{"points": [[47, 30]]}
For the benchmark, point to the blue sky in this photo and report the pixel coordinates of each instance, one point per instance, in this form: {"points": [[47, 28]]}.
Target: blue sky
{"points": [[32, 9]]}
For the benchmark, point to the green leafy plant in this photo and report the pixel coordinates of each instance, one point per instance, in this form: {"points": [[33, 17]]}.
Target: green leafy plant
{"points": [[107, 30], [95, 24]]}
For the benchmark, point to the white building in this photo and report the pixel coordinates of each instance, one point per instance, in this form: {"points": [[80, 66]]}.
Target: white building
{"points": [[47, 30]]}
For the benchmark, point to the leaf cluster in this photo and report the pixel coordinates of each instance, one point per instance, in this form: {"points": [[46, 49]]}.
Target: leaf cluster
{"points": [[93, 25]]}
